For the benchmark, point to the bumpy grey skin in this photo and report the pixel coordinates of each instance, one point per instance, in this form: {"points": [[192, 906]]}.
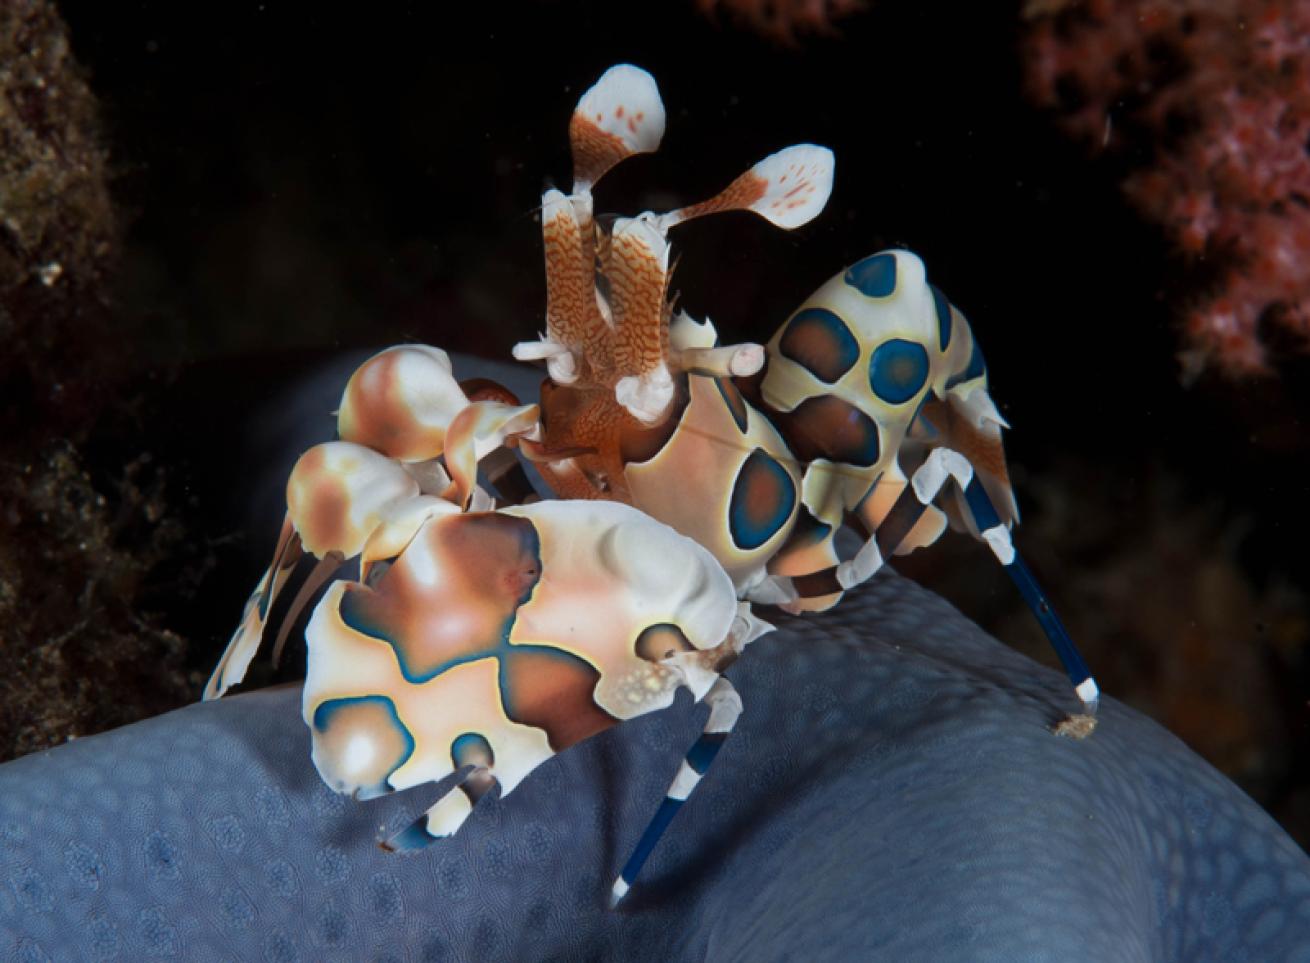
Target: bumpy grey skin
{"points": [[891, 792]]}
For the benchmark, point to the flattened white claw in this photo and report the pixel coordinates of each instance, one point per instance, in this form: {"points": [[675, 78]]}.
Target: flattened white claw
{"points": [[400, 402], [338, 493]]}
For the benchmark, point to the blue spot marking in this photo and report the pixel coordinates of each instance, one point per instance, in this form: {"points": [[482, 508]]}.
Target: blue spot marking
{"points": [[819, 341], [943, 317], [463, 747], [734, 401], [898, 370], [977, 368], [763, 497], [414, 836], [874, 277], [704, 749]]}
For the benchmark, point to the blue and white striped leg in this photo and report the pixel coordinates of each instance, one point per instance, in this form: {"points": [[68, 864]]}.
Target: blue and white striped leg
{"points": [[926, 482], [447, 814], [725, 707], [997, 536]]}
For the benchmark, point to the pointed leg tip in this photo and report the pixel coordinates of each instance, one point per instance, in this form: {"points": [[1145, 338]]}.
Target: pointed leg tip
{"points": [[617, 892], [408, 840]]}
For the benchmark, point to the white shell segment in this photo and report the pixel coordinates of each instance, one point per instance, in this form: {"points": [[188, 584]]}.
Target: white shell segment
{"points": [[339, 492], [907, 313], [690, 484], [871, 338], [401, 401], [610, 572]]}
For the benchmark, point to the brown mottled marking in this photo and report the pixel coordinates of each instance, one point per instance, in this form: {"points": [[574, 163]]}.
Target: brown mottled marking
{"points": [[816, 348], [485, 567], [828, 427], [586, 417], [379, 417], [326, 523], [552, 691], [986, 454], [484, 389]]}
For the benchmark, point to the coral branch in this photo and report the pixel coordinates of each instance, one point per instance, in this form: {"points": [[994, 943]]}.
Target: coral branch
{"points": [[1223, 91]]}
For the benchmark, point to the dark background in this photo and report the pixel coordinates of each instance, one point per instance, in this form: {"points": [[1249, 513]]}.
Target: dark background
{"points": [[295, 183]]}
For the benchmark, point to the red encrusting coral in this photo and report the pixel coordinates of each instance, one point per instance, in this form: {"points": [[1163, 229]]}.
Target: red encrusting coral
{"points": [[782, 20], [1221, 89]]}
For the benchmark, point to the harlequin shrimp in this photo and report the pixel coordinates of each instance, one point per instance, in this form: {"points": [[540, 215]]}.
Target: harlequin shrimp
{"points": [[694, 480], [762, 454]]}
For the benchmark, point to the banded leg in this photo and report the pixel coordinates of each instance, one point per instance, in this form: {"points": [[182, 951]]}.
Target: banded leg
{"points": [[447, 814], [995, 533], [924, 486], [725, 707], [245, 641]]}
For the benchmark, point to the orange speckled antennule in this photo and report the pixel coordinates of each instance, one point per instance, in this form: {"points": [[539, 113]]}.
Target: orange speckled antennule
{"points": [[788, 189], [620, 115], [607, 313]]}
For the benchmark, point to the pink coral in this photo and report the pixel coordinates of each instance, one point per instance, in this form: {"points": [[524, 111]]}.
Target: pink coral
{"points": [[784, 19], [1223, 88]]}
